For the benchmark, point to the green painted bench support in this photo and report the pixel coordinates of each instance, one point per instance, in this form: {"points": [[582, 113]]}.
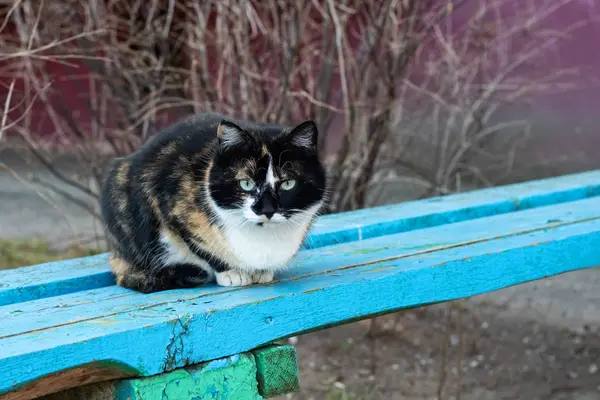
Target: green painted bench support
{"points": [[260, 374], [277, 370], [231, 378], [263, 373], [66, 325]]}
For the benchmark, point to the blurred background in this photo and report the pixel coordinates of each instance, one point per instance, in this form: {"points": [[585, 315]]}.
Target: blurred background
{"points": [[413, 98]]}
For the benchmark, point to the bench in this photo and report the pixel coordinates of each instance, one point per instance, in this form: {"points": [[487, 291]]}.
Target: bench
{"points": [[65, 324]]}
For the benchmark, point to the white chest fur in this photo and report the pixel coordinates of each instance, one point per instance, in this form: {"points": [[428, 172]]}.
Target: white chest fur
{"points": [[267, 247], [249, 246], [245, 245]]}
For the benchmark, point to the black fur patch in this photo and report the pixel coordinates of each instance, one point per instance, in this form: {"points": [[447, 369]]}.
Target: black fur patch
{"points": [[298, 163]]}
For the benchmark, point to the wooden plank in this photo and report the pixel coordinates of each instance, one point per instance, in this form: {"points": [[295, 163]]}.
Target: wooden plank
{"points": [[229, 378], [265, 372], [83, 306], [83, 375], [53, 279], [435, 211], [276, 370], [232, 378], [183, 332]]}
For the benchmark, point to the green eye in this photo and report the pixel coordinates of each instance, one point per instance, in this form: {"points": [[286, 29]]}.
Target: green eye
{"points": [[247, 185], [288, 185]]}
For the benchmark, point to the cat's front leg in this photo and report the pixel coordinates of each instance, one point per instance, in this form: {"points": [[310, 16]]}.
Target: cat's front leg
{"points": [[234, 277]]}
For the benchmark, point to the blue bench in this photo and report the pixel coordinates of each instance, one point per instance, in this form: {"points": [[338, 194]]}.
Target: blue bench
{"points": [[66, 324]]}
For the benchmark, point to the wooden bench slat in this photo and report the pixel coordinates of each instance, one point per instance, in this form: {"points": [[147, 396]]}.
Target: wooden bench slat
{"points": [[262, 373], [54, 279], [82, 306], [273, 310], [176, 333], [435, 211]]}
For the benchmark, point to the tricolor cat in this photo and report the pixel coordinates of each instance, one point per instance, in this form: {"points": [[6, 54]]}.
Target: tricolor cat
{"points": [[212, 198]]}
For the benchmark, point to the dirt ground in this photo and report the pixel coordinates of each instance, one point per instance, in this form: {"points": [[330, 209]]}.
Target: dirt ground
{"points": [[451, 351]]}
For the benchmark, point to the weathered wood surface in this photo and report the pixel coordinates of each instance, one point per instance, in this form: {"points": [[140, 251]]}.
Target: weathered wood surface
{"points": [[387, 259], [233, 378], [256, 375], [76, 275], [276, 370], [263, 373]]}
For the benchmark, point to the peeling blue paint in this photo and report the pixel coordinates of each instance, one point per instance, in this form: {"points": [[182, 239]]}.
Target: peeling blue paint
{"points": [[59, 278], [429, 252]]}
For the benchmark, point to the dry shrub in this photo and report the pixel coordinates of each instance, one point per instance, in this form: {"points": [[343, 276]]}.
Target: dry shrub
{"points": [[404, 91]]}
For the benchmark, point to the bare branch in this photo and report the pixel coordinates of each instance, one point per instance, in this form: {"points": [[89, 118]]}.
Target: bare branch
{"points": [[400, 87]]}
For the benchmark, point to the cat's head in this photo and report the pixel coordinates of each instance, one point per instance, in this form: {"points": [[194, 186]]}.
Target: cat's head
{"points": [[266, 175]]}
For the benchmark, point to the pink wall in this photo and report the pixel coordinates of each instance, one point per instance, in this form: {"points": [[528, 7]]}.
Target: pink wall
{"points": [[557, 116], [566, 130], [581, 50]]}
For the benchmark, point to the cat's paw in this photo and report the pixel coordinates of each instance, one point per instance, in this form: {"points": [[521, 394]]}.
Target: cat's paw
{"points": [[262, 276], [233, 278]]}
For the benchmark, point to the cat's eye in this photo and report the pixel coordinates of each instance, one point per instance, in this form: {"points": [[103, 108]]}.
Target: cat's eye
{"points": [[247, 185], [288, 185]]}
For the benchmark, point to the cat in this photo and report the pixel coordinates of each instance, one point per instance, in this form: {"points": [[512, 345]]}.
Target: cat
{"points": [[212, 198]]}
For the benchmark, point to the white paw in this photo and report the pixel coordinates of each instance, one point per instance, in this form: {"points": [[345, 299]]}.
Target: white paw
{"points": [[262, 276], [233, 278]]}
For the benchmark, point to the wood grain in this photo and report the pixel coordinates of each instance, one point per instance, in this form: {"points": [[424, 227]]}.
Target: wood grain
{"points": [[67, 320], [71, 378], [162, 336], [84, 306], [53, 279], [232, 378]]}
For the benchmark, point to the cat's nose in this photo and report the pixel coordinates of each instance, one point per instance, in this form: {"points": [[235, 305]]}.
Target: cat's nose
{"points": [[268, 209], [269, 214], [266, 206]]}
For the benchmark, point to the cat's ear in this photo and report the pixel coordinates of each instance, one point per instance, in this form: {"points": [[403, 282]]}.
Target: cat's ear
{"points": [[304, 135], [230, 135]]}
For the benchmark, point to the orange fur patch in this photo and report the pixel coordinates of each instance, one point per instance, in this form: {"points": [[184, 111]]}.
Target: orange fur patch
{"points": [[122, 171], [207, 172], [246, 169], [119, 267], [187, 189], [219, 130], [155, 209]]}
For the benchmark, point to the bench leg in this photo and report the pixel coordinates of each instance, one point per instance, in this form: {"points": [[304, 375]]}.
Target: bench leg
{"points": [[260, 374], [277, 370]]}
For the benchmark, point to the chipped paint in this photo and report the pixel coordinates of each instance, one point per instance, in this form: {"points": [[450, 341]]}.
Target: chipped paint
{"points": [[312, 290], [378, 269], [480, 245], [277, 370], [92, 272], [369, 250], [105, 322], [231, 378], [426, 246]]}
